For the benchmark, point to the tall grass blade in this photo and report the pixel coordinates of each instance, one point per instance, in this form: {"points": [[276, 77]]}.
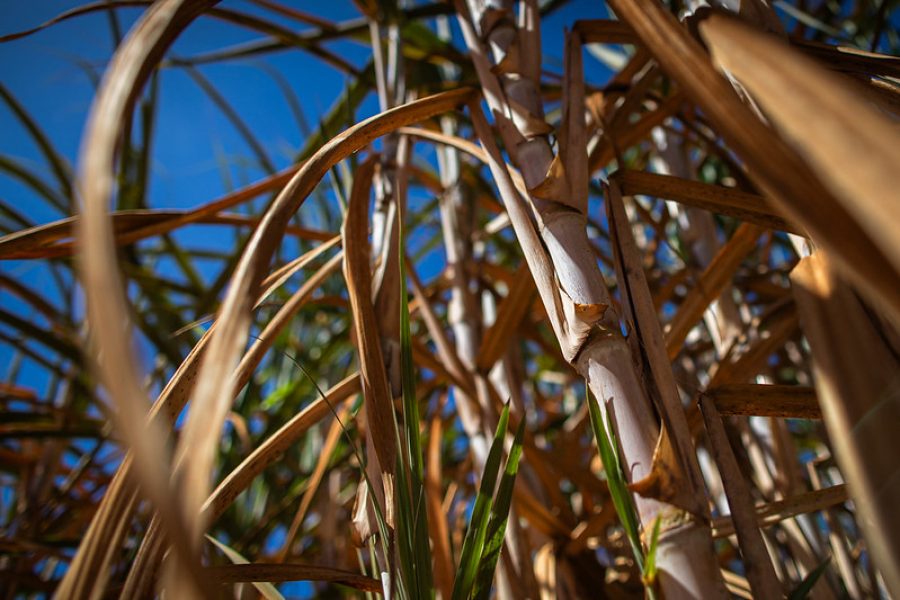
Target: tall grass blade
{"points": [[418, 553], [605, 436], [496, 529], [472, 551]]}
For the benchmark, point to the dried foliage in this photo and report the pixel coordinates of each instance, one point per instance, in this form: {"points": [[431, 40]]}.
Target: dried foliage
{"points": [[622, 324]]}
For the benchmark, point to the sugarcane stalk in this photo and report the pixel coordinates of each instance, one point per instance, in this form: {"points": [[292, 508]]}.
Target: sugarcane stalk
{"points": [[578, 303]]}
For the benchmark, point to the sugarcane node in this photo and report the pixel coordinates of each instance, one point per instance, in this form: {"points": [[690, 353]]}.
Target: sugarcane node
{"points": [[493, 18], [591, 312]]}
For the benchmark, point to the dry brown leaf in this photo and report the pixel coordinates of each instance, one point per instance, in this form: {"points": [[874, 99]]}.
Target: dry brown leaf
{"points": [[665, 481], [711, 283], [510, 315], [853, 149], [757, 561], [358, 274], [251, 268], [856, 379], [603, 31], [555, 185], [850, 59], [774, 512], [771, 163], [444, 570], [675, 454], [134, 225], [202, 431], [714, 198], [280, 573], [783, 401], [573, 131], [105, 299]]}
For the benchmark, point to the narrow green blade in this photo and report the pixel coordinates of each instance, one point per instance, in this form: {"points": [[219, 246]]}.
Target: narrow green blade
{"points": [[499, 517], [473, 544], [621, 497], [416, 555]]}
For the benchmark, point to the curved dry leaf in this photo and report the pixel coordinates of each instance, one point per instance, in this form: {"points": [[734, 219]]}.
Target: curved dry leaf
{"points": [[358, 274], [281, 573], [855, 371], [854, 149], [106, 303], [119, 500], [211, 400]]}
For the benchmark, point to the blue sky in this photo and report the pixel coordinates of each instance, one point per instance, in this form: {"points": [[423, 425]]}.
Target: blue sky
{"points": [[42, 71]]}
